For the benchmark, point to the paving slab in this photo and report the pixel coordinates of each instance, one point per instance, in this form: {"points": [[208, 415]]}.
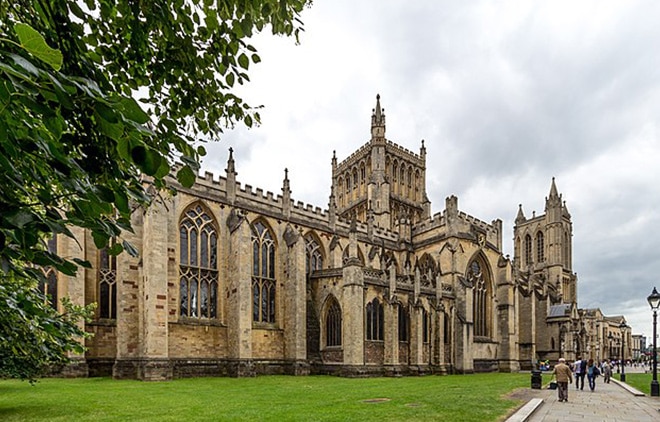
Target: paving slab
{"points": [[616, 402]]}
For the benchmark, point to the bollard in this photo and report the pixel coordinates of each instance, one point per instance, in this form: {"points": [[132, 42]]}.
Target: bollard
{"points": [[537, 379]]}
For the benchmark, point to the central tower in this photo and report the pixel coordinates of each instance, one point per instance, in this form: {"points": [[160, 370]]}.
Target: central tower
{"points": [[381, 180]]}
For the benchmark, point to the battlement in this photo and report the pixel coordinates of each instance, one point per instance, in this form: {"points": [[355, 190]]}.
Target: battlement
{"points": [[363, 228], [406, 151], [437, 220], [353, 158], [474, 221]]}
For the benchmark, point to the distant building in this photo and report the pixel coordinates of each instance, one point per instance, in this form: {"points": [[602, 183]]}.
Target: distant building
{"points": [[234, 281], [638, 347]]}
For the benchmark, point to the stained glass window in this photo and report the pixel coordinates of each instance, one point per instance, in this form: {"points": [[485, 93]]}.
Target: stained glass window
{"points": [[198, 258], [333, 324], [263, 274]]}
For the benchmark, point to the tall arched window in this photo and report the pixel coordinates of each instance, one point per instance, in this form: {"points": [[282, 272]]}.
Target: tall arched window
{"points": [[107, 278], [428, 270], [198, 264], [540, 247], [374, 320], [426, 326], [263, 274], [333, 324], [48, 284], [404, 323], [528, 250], [481, 303], [314, 259]]}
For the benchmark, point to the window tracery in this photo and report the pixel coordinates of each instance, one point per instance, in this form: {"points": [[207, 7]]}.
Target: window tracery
{"points": [[481, 295], [314, 255], [263, 274], [333, 322], [107, 277], [198, 256], [374, 329]]}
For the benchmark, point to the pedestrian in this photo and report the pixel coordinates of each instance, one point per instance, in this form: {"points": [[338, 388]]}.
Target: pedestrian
{"points": [[580, 372], [592, 373], [607, 371], [563, 375], [583, 372]]}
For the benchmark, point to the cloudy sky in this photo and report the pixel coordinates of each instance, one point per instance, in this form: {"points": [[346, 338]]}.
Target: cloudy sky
{"points": [[506, 95]]}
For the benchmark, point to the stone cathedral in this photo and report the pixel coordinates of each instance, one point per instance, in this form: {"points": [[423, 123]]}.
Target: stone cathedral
{"points": [[234, 282]]}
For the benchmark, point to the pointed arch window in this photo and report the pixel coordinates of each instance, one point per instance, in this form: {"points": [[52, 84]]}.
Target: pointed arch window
{"points": [[404, 323], [314, 259], [481, 299], [428, 270], [198, 264], [426, 326], [374, 320], [540, 247], [528, 250], [263, 274], [107, 277], [48, 284], [333, 324]]}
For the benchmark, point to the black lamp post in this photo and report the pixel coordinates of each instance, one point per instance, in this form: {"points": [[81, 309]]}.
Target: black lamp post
{"points": [[654, 301], [609, 337], [623, 327]]}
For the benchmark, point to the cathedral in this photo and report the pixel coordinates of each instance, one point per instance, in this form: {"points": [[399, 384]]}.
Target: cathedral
{"points": [[232, 281]]}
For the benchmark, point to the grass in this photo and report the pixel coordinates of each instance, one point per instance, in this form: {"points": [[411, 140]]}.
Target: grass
{"points": [[640, 381], [475, 397]]}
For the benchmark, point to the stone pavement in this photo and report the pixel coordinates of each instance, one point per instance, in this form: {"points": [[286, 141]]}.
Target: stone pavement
{"points": [[608, 402]]}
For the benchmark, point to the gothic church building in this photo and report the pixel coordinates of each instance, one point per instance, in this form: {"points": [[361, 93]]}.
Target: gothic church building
{"points": [[234, 282]]}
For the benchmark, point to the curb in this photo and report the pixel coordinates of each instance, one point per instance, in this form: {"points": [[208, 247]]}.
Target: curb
{"points": [[526, 411], [628, 388]]}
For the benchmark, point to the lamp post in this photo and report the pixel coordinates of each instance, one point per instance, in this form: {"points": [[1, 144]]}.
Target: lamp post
{"points": [[609, 355], [623, 327], [654, 301]]}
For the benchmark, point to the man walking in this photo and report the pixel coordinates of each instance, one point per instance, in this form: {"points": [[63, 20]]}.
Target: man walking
{"points": [[563, 374], [577, 367], [583, 373]]}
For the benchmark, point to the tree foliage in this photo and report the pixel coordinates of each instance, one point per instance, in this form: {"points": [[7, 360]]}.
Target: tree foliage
{"points": [[75, 144]]}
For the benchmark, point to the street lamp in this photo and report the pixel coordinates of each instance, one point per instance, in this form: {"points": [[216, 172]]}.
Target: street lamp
{"points": [[654, 301], [609, 337], [623, 327]]}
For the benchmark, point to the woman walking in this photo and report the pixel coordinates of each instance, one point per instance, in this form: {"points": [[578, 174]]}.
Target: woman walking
{"points": [[592, 373]]}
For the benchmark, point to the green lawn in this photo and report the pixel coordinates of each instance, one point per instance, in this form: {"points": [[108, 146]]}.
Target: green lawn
{"points": [[479, 397], [642, 382]]}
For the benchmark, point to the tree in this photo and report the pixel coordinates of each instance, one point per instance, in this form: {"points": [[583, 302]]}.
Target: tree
{"points": [[75, 145]]}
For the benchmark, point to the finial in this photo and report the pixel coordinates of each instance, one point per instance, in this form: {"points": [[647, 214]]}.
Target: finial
{"points": [[231, 168]]}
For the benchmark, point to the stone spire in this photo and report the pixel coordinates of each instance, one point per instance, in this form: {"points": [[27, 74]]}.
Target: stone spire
{"points": [[554, 199], [332, 202], [286, 194], [231, 177], [520, 218], [378, 122]]}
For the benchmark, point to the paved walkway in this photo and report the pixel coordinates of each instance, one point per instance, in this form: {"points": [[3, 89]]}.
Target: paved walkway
{"points": [[608, 402]]}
